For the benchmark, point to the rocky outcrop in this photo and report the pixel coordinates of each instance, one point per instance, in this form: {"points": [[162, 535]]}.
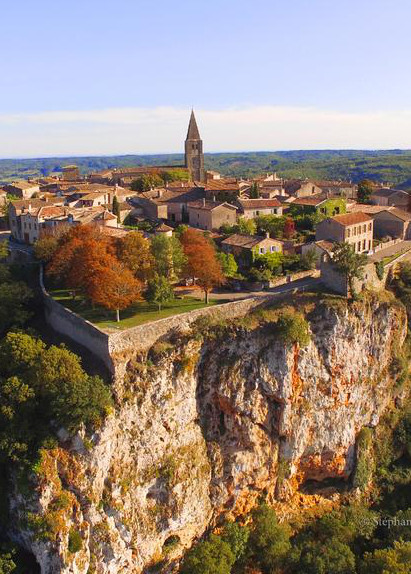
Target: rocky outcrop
{"points": [[205, 425]]}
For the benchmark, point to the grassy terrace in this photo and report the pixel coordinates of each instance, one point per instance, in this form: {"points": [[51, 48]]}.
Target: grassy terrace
{"points": [[139, 313]]}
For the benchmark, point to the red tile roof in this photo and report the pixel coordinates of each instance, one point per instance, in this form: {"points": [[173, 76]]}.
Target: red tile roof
{"points": [[255, 203], [351, 218]]}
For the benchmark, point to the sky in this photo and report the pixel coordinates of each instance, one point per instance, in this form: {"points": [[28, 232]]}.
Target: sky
{"points": [[106, 78]]}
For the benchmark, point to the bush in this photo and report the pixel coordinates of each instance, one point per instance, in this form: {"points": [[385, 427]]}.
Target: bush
{"points": [[213, 556], [293, 328], [75, 542], [236, 537], [364, 465], [269, 540]]}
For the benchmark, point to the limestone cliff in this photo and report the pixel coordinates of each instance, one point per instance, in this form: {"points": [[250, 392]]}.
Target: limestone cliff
{"points": [[206, 422]]}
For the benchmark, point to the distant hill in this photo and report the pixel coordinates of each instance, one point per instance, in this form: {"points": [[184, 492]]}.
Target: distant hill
{"points": [[391, 166]]}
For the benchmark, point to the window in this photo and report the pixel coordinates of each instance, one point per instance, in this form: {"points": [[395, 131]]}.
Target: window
{"points": [[262, 250], [354, 231], [359, 246], [348, 232], [364, 229], [364, 245], [273, 248], [369, 226], [274, 211]]}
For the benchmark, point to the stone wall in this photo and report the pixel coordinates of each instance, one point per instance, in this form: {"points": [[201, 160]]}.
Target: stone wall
{"points": [[114, 348], [74, 327]]}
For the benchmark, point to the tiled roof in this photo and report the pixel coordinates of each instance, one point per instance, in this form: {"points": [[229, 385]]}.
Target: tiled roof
{"points": [[167, 195], [312, 200], [221, 185], [256, 203], [351, 218], [400, 213], [22, 184], [245, 241], [387, 192], [209, 205]]}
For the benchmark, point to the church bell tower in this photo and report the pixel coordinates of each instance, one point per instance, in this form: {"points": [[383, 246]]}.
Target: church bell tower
{"points": [[194, 157]]}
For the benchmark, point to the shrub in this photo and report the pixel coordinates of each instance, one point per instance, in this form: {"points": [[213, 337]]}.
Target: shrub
{"points": [[75, 541], [293, 328], [364, 466], [213, 556], [269, 540], [236, 537]]}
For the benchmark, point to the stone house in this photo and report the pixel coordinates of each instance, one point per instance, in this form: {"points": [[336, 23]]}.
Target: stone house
{"points": [[353, 228], [390, 197], [246, 247], [210, 215], [320, 204], [392, 222], [301, 187], [169, 203], [22, 189], [251, 208], [320, 249], [70, 173]]}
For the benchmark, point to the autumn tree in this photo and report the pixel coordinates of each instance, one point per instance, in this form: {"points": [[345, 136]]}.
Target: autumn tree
{"points": [[114, 286], [134, 252], [82, 252], [202, 261], [289, 228]]}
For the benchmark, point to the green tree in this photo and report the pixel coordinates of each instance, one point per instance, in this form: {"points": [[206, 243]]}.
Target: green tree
{"points": [[247, 226], [116, 208], [159, 291], [168, 255], [14, 299], [309, 260], [348, 263], [329, 557], [212, 556], [228, 264], [236, 537], [388, 560], [146, 182], [254, 191], [365, 189], [269, 540], [272, 224]]}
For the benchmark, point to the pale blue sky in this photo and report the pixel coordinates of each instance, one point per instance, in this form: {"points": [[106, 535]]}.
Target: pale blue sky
{"points": [[344, 66]]}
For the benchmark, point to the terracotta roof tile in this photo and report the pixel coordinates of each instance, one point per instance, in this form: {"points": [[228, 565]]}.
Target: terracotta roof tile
{"points": [[351, 218]]}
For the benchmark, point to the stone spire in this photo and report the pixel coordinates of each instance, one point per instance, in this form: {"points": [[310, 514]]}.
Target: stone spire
{"points": [[192, 132], [194, 157]]}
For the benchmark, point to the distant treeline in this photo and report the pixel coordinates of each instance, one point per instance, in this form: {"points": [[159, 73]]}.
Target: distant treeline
{"points": [[390, 166]]}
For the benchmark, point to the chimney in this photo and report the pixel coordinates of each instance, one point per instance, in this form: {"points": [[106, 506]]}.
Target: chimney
{"points": [[160, 193], [204, 201], [214, 198], [267, 235]]}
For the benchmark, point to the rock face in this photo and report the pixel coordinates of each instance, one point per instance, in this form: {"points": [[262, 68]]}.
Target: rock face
{"points": [[204, 426]]}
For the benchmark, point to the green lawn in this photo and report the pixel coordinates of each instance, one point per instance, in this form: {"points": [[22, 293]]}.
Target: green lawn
{"points": [[141, 312]]}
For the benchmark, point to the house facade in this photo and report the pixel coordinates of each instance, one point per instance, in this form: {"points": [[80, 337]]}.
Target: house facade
{"points": [[354, 228], [392, 222], [22, 189], [322, 205], [390, 198], [251, 208], [246, 247], [210, 215]]}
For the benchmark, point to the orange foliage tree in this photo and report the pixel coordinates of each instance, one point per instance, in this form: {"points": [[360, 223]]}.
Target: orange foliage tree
{"points": [[134, 251], [81, 253], [114, 286], [202, 262]]}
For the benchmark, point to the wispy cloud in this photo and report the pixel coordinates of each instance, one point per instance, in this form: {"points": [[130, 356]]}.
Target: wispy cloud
{"points": [[162, 129]]}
